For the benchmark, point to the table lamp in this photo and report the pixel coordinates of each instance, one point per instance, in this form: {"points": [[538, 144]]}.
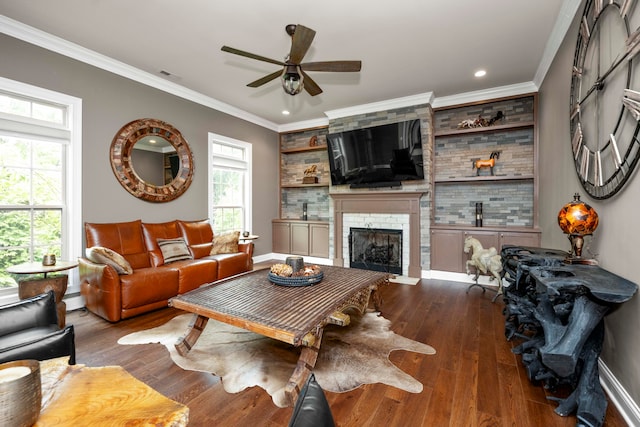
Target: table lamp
{"points": [[577, 219]]}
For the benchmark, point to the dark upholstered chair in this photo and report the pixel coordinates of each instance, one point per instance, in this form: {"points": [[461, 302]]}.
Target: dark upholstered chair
{"points": [[312, 408], [29, 330]]}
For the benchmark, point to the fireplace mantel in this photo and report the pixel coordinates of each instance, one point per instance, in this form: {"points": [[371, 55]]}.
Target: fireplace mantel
{"points": [[382, 203]]}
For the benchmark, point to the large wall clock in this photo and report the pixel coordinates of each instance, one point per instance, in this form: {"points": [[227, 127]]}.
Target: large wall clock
{"points": [[605, 96]]}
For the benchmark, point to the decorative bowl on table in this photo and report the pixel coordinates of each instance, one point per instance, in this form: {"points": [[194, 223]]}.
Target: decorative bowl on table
{"points": [[283, 275]]}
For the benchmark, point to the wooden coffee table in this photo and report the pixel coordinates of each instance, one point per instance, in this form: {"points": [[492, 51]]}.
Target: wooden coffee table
{"points": [[295, 315]]}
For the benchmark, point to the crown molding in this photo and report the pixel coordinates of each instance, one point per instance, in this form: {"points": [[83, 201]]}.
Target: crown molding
{"points": [[483, 95], [63, 47], [565, 17], [391, 104], [306, 124]]}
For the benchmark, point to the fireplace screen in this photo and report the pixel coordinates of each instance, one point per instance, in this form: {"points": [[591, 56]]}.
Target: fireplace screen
{"points": [[375, 249]]}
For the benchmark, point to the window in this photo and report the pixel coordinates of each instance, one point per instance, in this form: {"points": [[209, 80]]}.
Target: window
{"points": [[229, 184], [39, 178]]}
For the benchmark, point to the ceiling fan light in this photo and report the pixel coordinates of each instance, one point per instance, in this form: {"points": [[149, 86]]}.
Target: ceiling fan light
{"points": [[292, 80]]}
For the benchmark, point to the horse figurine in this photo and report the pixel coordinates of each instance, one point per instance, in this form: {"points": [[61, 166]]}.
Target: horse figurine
{"points": [[490, 162], [485, 261]]}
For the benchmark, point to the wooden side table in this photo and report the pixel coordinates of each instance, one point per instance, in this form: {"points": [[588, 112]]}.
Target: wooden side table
{"points": [[28, 288]]}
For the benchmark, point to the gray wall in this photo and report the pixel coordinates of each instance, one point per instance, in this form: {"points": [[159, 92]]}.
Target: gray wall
{"points": [[109, 102], [615, 241]]}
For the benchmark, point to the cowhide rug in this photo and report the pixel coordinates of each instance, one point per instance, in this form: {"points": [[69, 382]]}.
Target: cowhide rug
{"points": [[349, 356]]}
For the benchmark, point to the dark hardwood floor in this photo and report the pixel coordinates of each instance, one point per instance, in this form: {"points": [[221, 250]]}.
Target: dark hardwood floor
{"points": [[473, 380]]}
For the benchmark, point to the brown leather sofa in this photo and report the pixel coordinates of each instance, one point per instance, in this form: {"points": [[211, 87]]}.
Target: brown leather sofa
{"points": [[152, 282]]}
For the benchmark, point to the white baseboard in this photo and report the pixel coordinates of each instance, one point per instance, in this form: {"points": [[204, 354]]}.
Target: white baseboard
{"points": [[457, 277], [618, 395]]}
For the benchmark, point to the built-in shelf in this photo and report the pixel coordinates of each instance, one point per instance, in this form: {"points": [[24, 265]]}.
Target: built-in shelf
{"points": [[484, 178], [304, 149], [303, 185], [496, 128], [498, 228]]}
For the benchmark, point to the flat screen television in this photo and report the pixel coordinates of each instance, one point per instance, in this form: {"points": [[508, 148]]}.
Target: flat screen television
{"points": [[378, 156]]}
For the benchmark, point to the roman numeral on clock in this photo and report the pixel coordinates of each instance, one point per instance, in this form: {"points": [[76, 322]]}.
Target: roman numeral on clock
{"points": [[617, 160], [631, 100], [584, 163], [576, 141], [597, 178]]}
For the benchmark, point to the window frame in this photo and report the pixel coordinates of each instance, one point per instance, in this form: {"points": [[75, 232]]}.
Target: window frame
{"points": [[71, 233], [248, 149]]}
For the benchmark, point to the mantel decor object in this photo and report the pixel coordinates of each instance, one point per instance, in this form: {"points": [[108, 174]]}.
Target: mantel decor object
{"points": [[577, 219]]}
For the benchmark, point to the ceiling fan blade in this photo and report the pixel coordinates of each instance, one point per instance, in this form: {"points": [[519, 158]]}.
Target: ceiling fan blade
{"points": [[310, 86], [250, 55], [300, 44], [337, 66], [266, 79]]}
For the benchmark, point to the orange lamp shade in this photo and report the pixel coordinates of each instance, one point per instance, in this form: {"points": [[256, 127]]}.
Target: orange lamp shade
{"points": [[578, 218]]}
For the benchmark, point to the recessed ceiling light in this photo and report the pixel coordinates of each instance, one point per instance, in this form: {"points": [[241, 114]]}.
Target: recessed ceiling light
{"points": [[480, 73], [285, 112], [152, 141]]}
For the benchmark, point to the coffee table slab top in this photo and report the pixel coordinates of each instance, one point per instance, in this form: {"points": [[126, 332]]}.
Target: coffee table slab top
{"points": [[250, 301]]}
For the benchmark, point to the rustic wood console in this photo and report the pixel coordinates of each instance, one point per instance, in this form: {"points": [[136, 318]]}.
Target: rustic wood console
{"points": [[558, 310]]}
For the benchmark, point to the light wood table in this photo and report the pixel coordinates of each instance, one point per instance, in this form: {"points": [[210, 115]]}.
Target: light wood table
{"points": [[76, 395], [294, 315], [28, 288]]}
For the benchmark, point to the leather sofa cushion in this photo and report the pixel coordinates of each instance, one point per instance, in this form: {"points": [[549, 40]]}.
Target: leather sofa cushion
{"points": [[154, 231], [123, 237], [148, 285], [198, 235], [26, 335], [41, 344], [35, 312], [196, 232], [195, 273], [231, 264]]}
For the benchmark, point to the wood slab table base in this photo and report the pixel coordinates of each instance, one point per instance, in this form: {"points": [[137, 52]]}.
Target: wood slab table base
{"points": [[295, 315]]}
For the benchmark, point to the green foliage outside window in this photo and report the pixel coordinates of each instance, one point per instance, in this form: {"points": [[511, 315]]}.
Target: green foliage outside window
{"points": [[228, 195], [31, 186]]}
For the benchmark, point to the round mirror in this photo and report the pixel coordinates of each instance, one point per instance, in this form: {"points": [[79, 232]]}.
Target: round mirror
{"points": [[152, 160]]}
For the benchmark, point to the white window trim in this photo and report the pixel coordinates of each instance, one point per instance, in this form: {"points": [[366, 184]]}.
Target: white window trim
{"points": [[72, 227], [213, 137]]}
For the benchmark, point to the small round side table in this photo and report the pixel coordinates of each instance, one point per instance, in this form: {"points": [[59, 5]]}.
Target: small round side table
{"points": [[28, 288]]}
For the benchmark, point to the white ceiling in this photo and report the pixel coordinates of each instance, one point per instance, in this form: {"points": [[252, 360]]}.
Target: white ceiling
{"points": [[407, 47]]}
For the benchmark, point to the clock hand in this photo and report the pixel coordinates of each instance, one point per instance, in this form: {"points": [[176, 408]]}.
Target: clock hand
{"points": [[632, 48]]}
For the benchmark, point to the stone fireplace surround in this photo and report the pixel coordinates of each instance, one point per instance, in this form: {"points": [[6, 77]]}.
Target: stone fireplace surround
{"points": [[397, 222], [379, 203]]}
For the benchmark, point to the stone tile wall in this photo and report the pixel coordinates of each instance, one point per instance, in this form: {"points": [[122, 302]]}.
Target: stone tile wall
{"points": [[425, 114]]}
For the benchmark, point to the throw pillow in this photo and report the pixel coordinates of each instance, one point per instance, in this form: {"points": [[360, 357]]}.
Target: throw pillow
{"points": [[174, 250], [225, 243], [103, 255]]}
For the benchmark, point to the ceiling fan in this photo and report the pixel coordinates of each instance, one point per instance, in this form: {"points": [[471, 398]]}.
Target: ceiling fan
{"points": [[293, 75]]}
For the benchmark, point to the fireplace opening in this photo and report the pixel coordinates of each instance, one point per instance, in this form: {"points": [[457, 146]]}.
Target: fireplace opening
{"points": [[376, 249]]}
